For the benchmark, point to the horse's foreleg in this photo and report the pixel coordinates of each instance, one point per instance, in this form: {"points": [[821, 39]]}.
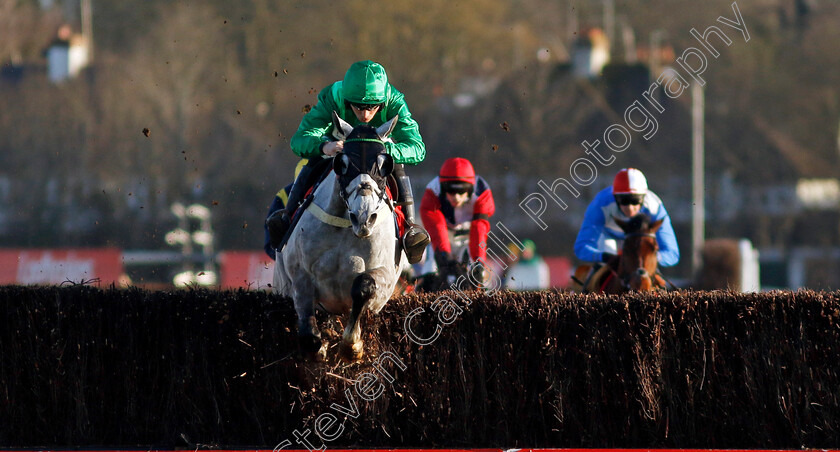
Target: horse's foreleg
{"points": [[282, 284], [364, 288], [309, 336]]}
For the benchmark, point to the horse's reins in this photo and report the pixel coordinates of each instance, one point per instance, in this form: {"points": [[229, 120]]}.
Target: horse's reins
{"points": [[667, 281], [640, 234]]}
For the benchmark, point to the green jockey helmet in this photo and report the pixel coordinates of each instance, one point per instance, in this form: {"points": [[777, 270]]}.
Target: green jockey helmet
{"points": [[365, 83]]}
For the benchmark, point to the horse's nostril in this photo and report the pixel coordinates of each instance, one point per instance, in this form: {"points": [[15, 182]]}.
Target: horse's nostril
{"points": [[354, 219], [372, 219]]}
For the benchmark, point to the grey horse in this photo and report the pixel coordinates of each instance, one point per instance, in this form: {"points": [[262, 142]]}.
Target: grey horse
{"points": [[343, 256]]}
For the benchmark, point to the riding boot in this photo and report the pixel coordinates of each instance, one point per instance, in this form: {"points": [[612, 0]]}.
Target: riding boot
{"points": [[280, 222], [415, 239]]}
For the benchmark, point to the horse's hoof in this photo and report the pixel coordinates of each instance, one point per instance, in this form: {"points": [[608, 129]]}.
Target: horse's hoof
{"points": [[351, 352], [312, 347], [321, 354], [317, 356]]}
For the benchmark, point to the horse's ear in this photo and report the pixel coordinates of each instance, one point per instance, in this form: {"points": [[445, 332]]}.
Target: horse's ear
{"points": [[341, 128], [385, 129], [385, 164], [655, 226], [340, 163], [621, 223]]}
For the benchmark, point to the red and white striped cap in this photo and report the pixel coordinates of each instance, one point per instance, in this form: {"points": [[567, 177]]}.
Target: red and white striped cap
{"points": [[629, 181]]}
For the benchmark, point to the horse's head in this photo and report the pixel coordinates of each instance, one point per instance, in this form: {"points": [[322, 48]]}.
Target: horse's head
{"points": [[638, 262], [363, 168]]}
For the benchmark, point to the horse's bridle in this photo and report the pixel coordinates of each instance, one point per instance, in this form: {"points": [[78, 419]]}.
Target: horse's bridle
{"points": [[346, 194], [625, 280], [380, 185]]}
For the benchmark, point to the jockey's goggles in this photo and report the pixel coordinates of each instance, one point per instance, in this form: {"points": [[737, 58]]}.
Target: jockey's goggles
{"points": [[364, 107], [456, 188], [631, 199]]}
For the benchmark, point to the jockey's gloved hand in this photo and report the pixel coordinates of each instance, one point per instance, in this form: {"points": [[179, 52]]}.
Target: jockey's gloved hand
{"points": [[606, 257]]}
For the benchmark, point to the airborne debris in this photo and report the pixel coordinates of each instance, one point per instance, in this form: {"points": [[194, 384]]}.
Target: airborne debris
{"points": [[146, 131]]}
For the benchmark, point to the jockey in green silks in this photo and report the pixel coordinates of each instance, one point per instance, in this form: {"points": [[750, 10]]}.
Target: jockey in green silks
{"points": [[364, 96]]}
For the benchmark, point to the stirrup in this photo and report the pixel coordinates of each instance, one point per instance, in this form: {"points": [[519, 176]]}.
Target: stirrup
{"points": [[414, 242]]}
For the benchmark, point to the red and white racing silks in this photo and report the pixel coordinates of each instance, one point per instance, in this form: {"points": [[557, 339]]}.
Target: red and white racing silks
{"points": [[440, 217]]}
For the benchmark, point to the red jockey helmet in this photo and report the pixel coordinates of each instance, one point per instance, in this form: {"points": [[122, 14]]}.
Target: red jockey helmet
{"points": [[630, 181], [457, 176], [457, 169]]}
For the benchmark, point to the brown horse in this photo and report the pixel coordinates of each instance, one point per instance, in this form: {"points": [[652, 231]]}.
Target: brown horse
{"points": [[636, 267]]}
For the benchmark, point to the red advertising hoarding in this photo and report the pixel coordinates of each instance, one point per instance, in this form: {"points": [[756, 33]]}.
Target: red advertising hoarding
{"points": [[560, 269], [254, 270], [57, 266], [246, 269]]}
